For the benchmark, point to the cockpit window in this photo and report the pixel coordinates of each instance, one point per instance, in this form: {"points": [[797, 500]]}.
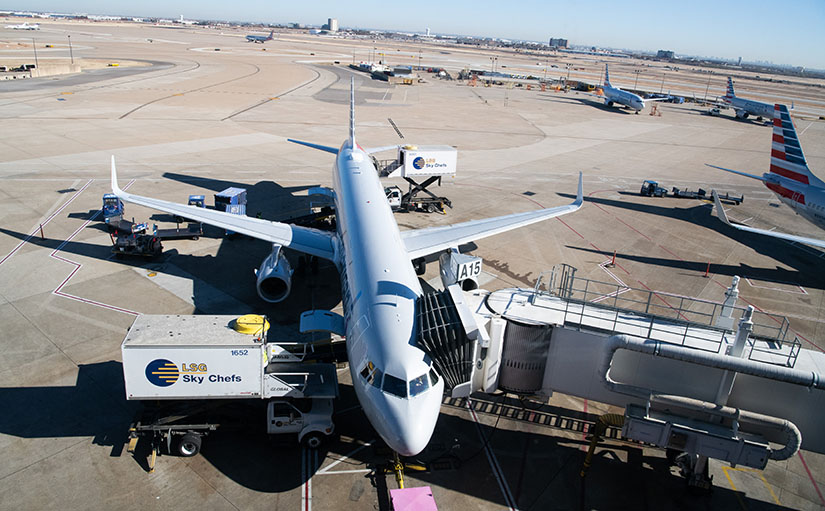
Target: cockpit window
{"points": [[395, 386], [372, 374], [419, 385]]}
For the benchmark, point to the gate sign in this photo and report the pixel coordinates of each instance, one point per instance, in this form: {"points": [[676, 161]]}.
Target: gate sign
{"points": [[468, 270]]}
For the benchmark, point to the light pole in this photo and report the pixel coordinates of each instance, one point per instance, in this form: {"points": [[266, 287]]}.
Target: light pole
{"points": [[706, 88], [419, 60], [493, 64], [662, 88], [34, 47], [635, 83], [71, 55], [545, 69]]}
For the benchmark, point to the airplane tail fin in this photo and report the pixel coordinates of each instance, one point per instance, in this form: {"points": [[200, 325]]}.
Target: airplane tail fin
{"points": [[352, 111], [787, 159], [730, 93], [271, 34], [606, 77]]}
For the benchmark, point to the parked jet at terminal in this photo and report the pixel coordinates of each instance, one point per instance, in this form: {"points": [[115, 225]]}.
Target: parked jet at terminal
{"points": [[24, 26], [745, 107], [259, 38], [615, 95], [394, 380], [789, 178]]}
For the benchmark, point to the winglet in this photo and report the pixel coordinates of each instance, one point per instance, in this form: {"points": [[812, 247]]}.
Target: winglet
{"points": [[579, 195], [352, 111], [720, 211], [115, 188]]}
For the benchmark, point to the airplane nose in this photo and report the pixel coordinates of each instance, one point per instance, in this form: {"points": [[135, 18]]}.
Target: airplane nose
{"points": [[412, 423]]}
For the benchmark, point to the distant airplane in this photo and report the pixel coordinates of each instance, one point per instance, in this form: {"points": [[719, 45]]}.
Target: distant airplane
{"points": [[185, 22], [745, 107], [789, 178], [394, 379], [259, 38], [24, 26], [622, 97]]}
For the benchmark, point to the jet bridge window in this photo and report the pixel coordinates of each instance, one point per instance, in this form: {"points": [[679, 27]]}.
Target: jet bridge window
{"points": [[395, 386], [419, 385]]}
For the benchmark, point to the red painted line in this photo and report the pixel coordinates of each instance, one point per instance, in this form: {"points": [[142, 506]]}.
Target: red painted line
{"points": [[574, 230], [811, 477]]}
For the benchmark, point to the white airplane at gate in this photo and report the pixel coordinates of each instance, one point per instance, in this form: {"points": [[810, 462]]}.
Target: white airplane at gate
{"points": [[393, 378], [789, 178]]}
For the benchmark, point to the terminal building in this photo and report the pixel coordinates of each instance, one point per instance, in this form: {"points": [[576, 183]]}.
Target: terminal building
{"points": [[558, 42]]}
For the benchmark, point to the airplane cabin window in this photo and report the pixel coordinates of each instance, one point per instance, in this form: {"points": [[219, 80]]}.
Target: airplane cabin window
{"points": [[419, 385], [394, 386]]}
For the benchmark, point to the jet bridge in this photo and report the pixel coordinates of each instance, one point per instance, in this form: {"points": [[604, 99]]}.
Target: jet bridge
{"points": [[710, 380]]}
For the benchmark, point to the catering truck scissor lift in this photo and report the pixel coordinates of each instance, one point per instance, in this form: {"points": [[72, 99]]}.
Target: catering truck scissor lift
{"points": [[412, 162], [196, 374]]}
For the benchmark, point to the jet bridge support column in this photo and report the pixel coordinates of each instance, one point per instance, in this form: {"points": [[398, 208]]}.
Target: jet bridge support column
{"points": [[725, 319]]}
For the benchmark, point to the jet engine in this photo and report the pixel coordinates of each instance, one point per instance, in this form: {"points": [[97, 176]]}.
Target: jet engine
{"points": [[274, 276], [742, 114]]}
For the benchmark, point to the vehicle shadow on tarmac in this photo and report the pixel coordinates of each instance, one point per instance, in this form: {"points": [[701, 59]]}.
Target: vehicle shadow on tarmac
{"points": [[804, 260], [541, 467]]}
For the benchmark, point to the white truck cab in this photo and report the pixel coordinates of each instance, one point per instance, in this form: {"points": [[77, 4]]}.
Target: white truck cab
{"points": [[311, 419]]}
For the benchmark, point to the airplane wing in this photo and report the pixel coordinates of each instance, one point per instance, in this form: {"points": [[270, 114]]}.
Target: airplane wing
{"points": [[303, 239], [752, 176], [720, 212], [422, 242]]}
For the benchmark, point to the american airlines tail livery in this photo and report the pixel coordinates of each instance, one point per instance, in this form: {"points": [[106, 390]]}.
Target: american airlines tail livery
{"points": [[394, 379], [789, 178], [745, 107]]}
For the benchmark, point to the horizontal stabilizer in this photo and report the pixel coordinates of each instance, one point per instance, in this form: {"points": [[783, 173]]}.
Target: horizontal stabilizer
{"points": [[720, 211], [315, 146], [752, 176]]}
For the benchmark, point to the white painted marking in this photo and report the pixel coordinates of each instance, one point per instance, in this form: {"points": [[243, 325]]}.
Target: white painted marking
{"points": [[491, 458], [326, 470]]}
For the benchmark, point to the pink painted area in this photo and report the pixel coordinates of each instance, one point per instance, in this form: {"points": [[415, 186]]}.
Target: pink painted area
{"points": [[413, 499]]}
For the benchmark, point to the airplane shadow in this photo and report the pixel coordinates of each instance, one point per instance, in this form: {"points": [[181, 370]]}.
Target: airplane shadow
{"points": [[804, 260], [590, 101]]}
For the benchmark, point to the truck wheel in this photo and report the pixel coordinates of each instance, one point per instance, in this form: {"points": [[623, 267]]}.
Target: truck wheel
{"points": [[189, 445], [313, 440]]}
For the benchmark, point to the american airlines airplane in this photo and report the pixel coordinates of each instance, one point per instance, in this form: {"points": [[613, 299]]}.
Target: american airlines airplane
{"points": [[259, 38], [622, 97], [789, 178], [393, 378], [745, 107]]}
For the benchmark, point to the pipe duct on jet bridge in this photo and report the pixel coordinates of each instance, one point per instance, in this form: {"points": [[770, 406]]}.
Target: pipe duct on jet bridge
{"points": [[789, 433]]}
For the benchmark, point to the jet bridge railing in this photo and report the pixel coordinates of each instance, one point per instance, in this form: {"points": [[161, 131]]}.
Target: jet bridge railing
{"points": [[663, 316]]}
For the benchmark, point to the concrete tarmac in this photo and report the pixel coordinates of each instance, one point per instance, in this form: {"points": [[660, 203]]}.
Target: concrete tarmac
{"points": [[216, 113]]}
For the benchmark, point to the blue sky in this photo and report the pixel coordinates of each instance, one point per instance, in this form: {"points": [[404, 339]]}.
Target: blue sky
{"points": [[791, 32]]}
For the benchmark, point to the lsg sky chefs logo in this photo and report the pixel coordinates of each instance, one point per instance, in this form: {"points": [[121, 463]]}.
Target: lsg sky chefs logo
{"points": [[163, 373]]}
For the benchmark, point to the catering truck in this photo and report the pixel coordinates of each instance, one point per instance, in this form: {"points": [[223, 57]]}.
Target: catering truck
{"points": [[195, 374]]}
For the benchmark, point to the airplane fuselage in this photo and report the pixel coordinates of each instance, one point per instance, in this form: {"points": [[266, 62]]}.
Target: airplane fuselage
{"points": [[623, 97], [746, 107], [379, 291], [808, 201]]}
